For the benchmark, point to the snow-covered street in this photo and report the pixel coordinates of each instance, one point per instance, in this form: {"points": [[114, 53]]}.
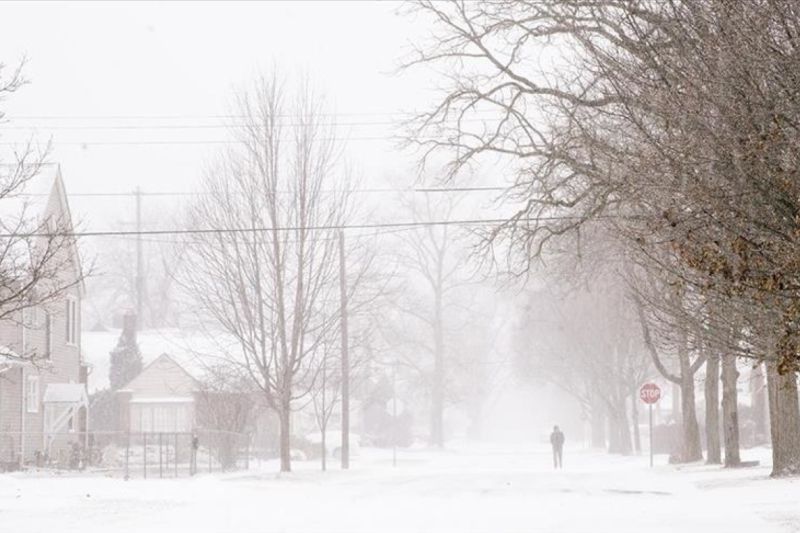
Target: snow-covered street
{"points": [[471, 489]]}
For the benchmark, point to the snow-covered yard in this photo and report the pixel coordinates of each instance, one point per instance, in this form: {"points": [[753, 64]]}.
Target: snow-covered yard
{"points": [[481, 489]]}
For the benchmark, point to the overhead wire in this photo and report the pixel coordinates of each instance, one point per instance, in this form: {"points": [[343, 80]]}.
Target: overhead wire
{"points": [[334, 227], [199, 126], [168, 142], [357, 236], [489, 188], [226, 116]]}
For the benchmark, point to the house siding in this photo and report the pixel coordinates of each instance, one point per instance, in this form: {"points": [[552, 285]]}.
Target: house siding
{"points": [[61, 364], [10, 405]]}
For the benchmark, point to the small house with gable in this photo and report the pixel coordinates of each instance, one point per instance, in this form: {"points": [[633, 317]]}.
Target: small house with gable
{"points": [[161, 399]]}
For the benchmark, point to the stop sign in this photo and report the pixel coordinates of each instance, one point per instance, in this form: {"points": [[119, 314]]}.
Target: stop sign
{"points": [[650, 393]]}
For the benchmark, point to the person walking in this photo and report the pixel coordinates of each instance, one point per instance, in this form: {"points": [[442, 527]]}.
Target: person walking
{"points": [[557, 442]]}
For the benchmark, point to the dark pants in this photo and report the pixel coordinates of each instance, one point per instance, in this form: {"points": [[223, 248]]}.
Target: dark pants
{"points": [[557, 456]]}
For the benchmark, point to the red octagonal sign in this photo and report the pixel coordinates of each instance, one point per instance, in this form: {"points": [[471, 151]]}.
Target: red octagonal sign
{"points": [[650, 393]]}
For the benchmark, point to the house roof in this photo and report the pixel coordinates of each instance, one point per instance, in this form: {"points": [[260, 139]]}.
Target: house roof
{"points": [[165, 399], [194, 352], [164, 357]]}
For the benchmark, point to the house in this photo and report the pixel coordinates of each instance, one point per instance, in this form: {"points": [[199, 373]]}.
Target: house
{"points": [[161, 399], [43, 398], [183, 390]]}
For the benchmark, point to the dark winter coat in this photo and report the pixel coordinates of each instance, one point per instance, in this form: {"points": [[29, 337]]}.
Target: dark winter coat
{"points": [[557, 439]]}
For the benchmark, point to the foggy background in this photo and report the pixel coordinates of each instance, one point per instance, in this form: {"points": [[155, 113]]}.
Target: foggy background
{"points": [[140, 96]]}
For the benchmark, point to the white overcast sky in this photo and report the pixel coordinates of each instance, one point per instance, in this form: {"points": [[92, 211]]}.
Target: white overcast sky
{"points": [[131, 73]]}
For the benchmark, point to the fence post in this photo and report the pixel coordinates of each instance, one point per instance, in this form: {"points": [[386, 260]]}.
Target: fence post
{"points": [[192, 456], [144, 454], [160, 456], [175, 455], [208, 448], [247, 453]]}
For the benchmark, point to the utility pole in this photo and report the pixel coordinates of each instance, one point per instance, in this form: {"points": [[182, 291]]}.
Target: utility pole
{"points": [[139, 259], [324, 417], [345, 358]]}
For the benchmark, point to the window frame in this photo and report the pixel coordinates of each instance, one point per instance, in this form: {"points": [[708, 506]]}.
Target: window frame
{"points": [[48, 335], [71, 321], [29, 322], [32, 394]]}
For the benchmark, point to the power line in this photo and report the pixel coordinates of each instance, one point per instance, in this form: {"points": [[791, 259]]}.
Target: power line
{"points": [[409, 114], [171, 142], [209, 117], [390, 231], [335, 227], [198, 126], [364, 190]]}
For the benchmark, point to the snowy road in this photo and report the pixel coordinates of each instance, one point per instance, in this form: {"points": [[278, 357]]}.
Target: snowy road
{"points": [[478, 490]]}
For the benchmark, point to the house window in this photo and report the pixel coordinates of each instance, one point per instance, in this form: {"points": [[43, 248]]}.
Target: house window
{"points": [[32, 400], [29, 322], [71, 322]]}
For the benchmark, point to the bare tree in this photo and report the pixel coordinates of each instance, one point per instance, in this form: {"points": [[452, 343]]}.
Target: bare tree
{"points": [[672, 123], [576, 335], [38, 263], [687, 367], [114, 288], [266, 271], [324, 399], [225, 404], [433, 261]]}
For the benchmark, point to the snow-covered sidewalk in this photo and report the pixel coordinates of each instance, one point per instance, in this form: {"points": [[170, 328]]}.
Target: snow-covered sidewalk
{"points": [[485, 489]]}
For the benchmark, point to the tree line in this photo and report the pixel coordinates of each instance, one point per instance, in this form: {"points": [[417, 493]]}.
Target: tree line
{"points": [[669, 132]]}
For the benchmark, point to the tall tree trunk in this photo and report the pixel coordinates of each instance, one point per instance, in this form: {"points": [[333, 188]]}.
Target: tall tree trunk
{"points": [[323, 419], [345, 370], [730, 411], [619, 431], [691, 450], [676, 403], [437, 383], [613, 434], [784, 417], [758, 393], [285, 415], [323, 450], [713, 454], [598, 421], [637, 438]]}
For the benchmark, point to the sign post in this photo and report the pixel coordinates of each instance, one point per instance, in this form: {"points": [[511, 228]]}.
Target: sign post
{"points": [[650, 393]]}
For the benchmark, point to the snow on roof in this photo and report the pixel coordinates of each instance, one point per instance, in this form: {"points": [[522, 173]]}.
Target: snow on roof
{"points": [[65, 393], [166, 399], [194, 351]]}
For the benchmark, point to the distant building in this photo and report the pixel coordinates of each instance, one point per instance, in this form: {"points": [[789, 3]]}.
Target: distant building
{"points": [[43, 397], [179, 391], [161, 399]]}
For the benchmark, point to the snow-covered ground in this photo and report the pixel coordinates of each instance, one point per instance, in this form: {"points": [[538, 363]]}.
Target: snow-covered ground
{"points": [[465, 489]]}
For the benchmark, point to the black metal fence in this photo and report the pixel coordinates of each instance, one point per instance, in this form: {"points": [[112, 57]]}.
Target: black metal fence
{"points": [[127, 454]]}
